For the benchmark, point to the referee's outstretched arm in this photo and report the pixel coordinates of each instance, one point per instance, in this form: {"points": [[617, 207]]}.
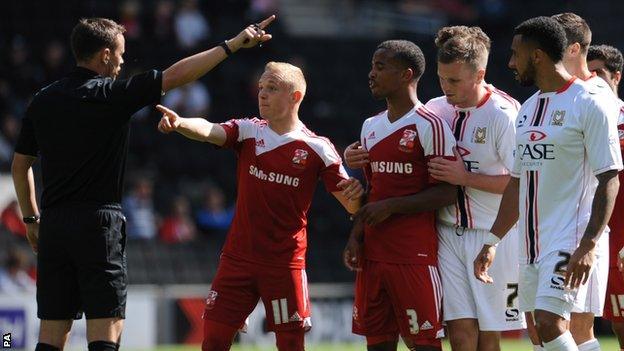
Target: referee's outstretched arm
{"points": [[193, 67]]}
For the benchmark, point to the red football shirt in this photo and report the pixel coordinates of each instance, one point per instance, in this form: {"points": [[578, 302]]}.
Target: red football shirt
{"points": [[277, 176], [616, 223], [398, 154]]}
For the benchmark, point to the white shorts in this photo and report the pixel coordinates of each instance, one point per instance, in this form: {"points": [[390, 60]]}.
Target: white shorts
{"points": [[495, 306], [597, 283], [546, 279]]}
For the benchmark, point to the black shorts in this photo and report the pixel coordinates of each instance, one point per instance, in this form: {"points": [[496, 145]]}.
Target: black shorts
{"points": [[81, 263]]}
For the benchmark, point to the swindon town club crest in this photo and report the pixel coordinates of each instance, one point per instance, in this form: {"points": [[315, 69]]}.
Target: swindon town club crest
{"points": [[300, 158], [211, 299], [408, 140]]}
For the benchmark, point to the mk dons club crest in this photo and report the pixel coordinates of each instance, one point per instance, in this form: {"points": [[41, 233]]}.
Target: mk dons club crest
{"points": [[556, 119], [300, 158], [408, 140], [479, 135]]}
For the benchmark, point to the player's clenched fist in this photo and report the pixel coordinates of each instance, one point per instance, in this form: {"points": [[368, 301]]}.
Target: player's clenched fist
{"points": [[483, 262], [356, 156], [170, 120], [351, 255], [352, 189]]}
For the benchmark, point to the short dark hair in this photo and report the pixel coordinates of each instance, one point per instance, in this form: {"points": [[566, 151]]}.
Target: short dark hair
{"points": [[576, 29], [461, 43], [612, 57], [407, 53], [546, 33], [90, 35]]}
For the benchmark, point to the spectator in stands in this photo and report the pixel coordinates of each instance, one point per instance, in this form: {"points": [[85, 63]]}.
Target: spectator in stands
{"points": [[192, 99], [214, 217], [178, 226], [14, 279], [54, 61], [190, 25], [138, 207], [129, 12], [11, 219], [163, 21]]}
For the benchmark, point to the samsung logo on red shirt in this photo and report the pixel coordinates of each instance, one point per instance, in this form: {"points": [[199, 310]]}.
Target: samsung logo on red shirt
{"points": [[392, 167], [273, 177]]}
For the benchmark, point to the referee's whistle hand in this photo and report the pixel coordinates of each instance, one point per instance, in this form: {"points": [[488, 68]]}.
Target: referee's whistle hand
{"points": [[169, 121]]}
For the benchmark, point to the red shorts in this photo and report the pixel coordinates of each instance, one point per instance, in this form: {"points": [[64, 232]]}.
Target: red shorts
{"points": [[239, 285], [393, 299], [614, 304]]}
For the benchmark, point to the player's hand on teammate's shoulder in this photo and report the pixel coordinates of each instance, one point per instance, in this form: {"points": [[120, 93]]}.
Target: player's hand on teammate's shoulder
{"points": [[580, 264], [170, 120], [482, 263], [252, 35], [449, 171], [355, 156], [352, 188]]}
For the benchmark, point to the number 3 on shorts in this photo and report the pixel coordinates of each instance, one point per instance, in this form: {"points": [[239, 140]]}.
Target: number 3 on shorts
{"points": [[413, 321]]}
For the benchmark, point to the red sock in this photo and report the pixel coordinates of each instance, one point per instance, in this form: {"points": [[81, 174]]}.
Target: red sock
{"points": [[217, 336], [290, 340]]}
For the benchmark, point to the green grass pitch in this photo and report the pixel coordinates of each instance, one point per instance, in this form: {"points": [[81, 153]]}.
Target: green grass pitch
{"points": [[507, 345]]}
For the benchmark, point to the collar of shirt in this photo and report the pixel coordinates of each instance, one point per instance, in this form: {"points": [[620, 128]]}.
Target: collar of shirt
{"points": [[84, 72]]}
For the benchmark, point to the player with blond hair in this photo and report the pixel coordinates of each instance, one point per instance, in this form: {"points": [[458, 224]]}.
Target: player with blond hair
{"points": [[279, 164]]}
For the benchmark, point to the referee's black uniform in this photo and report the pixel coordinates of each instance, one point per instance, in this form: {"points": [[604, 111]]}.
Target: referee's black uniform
{"points": [[78, 127]]}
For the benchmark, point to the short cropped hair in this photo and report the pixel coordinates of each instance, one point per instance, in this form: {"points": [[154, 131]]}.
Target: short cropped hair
{"points": [[461, 43], [289, 74], [91, 35], [611, 56], [407, 53], [546, 33], [576, 29]]}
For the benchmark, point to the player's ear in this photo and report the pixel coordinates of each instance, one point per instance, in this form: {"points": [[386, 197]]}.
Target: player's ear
{"points": [[408, 74], [480, 75], [574, 49], [297, 96], [617, 76]]}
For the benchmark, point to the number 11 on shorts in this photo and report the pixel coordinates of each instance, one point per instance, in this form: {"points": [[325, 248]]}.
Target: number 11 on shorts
{"points": [[280, 310], [413, 321]]}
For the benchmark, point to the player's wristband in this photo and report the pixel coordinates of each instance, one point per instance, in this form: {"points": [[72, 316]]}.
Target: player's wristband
{"points": [[491, 240], [226, 48], [621, 253]]}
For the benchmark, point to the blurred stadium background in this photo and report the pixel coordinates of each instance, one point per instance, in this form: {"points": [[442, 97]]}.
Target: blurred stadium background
{"points": [[179, 193]]}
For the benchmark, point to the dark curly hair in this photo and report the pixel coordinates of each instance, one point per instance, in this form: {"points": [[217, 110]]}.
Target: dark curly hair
{"points": [[407, 53]]}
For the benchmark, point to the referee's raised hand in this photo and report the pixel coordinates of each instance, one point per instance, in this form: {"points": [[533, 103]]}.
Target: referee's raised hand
{"points": [[252, 35]]}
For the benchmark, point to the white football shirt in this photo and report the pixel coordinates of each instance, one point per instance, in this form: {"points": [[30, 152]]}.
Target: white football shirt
{"points": [[485, 137], [563, 140]]}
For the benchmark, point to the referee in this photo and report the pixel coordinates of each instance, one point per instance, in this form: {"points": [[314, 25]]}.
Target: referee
{"points": [[78, 127]]}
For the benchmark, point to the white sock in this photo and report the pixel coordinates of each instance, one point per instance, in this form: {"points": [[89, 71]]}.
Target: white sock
{"points": [[538, 348], [564, 342], [591, 345]]}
